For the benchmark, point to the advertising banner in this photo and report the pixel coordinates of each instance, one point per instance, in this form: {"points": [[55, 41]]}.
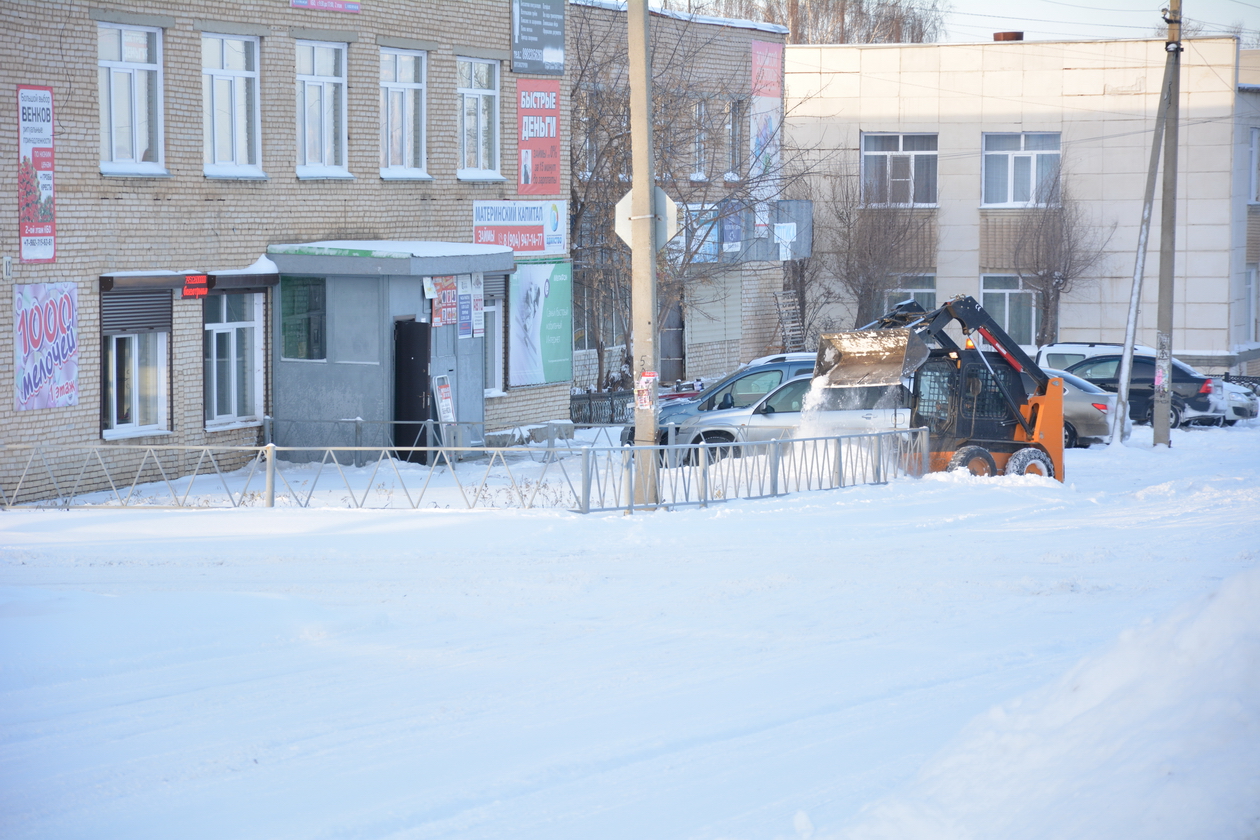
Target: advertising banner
{"points": [[445, 301], [46, 345], [36, 211], [478, 306], [538, 124], [463, 284], [766, 110], [350, 6], [538, 37], [540, 333], [530, 228]]}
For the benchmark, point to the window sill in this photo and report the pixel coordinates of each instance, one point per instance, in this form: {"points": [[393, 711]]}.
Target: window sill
{"points": [[233, 426], [134, 170], [492, 394], [234, 173], [304, 361], [324, 173], [1016, 206], [128, 434], [698, 177], [405, 175], [732, 178], [478, 175]]}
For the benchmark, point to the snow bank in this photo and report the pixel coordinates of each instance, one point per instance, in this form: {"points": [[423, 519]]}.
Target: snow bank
{"points": [[1157, 738]]}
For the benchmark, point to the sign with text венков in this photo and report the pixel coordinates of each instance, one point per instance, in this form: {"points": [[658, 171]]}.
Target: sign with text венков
{"points": [[538, 37], [530, 228], [538, 143], [36, 214], [46, 345]]}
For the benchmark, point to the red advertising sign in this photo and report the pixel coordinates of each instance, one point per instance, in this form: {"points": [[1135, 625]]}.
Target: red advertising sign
{"points": [[538, 137], [195, 285], [446, 302], [36, 211], [530, 228]]}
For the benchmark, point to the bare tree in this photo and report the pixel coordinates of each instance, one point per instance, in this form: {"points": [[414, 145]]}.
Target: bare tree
{"points": [[835, 21], [1057, 247], [863, 251]]}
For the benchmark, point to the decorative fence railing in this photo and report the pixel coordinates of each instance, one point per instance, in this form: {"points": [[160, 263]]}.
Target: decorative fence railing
{"points": [[613, 407], [583, 478]]}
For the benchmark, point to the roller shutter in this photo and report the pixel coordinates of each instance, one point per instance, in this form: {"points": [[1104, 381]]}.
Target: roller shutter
{"points": [[139, 311]]}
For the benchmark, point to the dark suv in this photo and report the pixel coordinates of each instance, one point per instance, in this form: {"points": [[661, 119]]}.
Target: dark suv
{"points": [[1192, 392], [742, 388]]}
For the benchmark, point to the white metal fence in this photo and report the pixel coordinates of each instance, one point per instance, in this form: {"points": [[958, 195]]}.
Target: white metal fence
{"points": [[584, 476]]}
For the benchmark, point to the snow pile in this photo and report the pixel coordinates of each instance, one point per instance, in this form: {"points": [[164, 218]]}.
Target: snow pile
{"points": [[1157, 738]]}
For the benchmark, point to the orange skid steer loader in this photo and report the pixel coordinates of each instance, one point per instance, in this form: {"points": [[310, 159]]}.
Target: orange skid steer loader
{"points": [[973, 402]]}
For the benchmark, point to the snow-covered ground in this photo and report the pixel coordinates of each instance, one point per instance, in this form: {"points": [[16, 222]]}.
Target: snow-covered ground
{"points": [[944, 658]]}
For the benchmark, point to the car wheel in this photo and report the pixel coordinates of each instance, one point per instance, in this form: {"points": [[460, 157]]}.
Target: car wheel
{"points": [[1070, 440], [1030, 461], [720, 446], [1174, 415], [974, 459], [1231, 422]]}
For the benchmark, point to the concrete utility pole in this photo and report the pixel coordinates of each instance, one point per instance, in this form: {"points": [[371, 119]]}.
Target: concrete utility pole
{"points": [[1139, 264], [1168, 235], [642, 251]]}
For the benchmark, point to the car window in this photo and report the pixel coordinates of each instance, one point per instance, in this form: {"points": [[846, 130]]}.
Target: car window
{"points": [[1062, 360], [1101, 369], [790, 397], [1079, 384], [804, 371], [744, 391]]}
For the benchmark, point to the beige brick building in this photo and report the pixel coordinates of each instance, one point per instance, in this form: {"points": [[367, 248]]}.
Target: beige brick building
{"points": [[181, 149], [974, 126]]}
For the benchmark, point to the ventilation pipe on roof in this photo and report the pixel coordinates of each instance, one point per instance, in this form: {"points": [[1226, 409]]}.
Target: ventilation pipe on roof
{"points": [[1008, 36]]}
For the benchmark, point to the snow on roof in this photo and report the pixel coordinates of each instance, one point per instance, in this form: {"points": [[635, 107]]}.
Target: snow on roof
{"points": [[262, 265], [383, 248], [736, 23]]}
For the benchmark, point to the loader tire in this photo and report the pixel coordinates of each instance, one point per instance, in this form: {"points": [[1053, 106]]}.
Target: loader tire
{"points": [[974, 459], [1030, 461]]}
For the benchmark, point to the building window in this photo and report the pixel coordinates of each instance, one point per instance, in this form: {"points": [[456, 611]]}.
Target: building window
{"points": [[597, 316], [478, 118], [232, 355], [899, 169], [494, 357], [1012, 306], [700, 151], [134, 393], [403, 114], [1255, 166], [321, 110], [736, 138], [1021, 170], [1251, 312], [129, 84], [921, 288], [229, 101], [303, 318]]}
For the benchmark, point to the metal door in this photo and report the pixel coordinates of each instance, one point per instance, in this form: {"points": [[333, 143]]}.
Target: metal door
{"points": [[412, 400]]}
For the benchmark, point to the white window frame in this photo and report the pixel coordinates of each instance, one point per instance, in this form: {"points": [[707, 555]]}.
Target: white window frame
{"points": [[700, 149], [112, 429], [906, 289], [1254, 179], [1003, 314], [405, 171], [238, 164], [1011, 157], [480, 172], [209, 373], [112, 165], [494, 347], [913, 162], [330, 115]]}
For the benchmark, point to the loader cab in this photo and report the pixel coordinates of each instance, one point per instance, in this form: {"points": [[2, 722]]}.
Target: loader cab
{"points": [[959, 401]]}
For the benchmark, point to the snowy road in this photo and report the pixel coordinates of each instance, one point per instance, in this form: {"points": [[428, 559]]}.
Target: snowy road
{"points": [[755, 670]]}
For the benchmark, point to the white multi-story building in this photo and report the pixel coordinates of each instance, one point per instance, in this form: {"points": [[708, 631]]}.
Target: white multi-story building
{"points": [[969, 132]]}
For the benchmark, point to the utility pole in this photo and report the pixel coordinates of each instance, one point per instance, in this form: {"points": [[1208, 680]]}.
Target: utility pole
{"points": [[642, 251], [1167, 235]]}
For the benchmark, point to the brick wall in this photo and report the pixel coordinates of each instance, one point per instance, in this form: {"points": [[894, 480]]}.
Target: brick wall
{"points": [[527, 406]]}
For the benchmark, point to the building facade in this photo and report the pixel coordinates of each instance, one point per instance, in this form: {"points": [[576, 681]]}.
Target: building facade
{"points": [[230, 210], [979, 135]]}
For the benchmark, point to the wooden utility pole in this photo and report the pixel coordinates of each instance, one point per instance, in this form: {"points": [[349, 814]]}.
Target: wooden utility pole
{"points": [[642, 251], [1168, 236]]}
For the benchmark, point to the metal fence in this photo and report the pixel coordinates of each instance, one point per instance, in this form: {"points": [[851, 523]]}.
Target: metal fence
{"points": [[579, 476], [612, 407]]}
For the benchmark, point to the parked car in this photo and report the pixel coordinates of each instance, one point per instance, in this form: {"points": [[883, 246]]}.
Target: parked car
{"points": [[1063, 355], [779, 414], [1241, 403], [1086, 410], [745, 386], [1195, 399]]}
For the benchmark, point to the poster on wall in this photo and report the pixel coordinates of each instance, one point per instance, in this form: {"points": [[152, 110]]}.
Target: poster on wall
{"points": [[445, 301], [530, 228], [351, 6], [463, 284], [765, 112], [478, 306], [538, 125], [36, 209], [46, 345], [540, 332], [538, 37]]}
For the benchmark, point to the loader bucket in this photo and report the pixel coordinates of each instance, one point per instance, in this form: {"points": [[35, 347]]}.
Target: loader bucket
{"points": [[869, 357]]}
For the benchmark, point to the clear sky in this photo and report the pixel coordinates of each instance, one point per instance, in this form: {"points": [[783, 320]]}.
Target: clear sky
{"points": [[1042, 20]]}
